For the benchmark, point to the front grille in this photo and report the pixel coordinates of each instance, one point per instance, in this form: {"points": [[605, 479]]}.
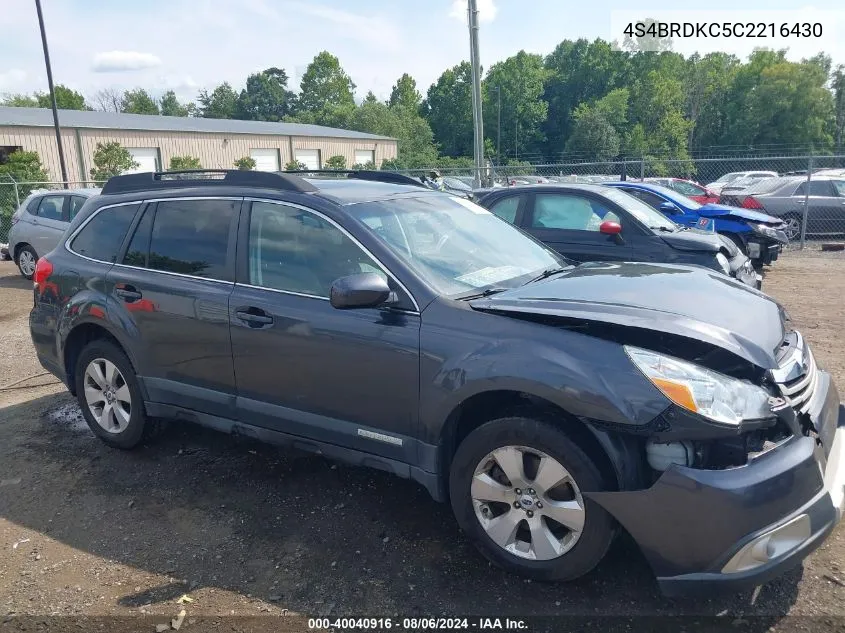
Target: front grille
{"points": [[797, 375]]}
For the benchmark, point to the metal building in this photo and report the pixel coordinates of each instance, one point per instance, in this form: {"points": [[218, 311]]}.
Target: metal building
{"points": [[153, 140]]}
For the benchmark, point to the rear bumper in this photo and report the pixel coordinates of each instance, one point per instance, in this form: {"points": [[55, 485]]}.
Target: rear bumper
{"points": [[737, 528]]}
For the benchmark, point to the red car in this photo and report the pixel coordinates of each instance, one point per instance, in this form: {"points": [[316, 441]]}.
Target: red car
{"points": [[688, 188]]}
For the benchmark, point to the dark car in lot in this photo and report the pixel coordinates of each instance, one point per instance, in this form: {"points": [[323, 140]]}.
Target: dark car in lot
{"points": [[756, 234], [409, 330], [596, 223], [787, 197]]}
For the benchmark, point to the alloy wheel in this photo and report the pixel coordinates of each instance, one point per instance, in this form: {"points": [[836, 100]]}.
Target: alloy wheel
{"points": [[792, 228], [26, 262], [107, 395], [527, 503]]}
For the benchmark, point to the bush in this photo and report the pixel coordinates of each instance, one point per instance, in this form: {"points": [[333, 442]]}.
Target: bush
{"points": [[368, 166], [184, 162], [111, 159], [295, 165], [245, 163], [336, 162]]}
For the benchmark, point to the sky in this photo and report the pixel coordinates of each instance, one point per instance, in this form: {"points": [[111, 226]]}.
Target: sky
{"points": [[186, 45]]}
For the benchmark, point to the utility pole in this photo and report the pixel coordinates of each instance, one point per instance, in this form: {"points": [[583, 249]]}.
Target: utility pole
{"points": [[52, 92], [472, 11], [499, 126]]}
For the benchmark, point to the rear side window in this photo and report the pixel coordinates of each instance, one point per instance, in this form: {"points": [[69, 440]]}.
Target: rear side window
{"points": [[50, 207], [686, 188], [76, 203], [817, 188], [192, 237], [102, 236], [646, 196], [506, 209]]}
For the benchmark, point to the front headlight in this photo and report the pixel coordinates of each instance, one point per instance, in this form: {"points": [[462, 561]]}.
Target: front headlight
{"points": [[715, 396], [723, 262], [763, 229]]}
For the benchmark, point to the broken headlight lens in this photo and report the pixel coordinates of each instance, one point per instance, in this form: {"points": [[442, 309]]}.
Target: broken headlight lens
{"points": [[704, 391]]}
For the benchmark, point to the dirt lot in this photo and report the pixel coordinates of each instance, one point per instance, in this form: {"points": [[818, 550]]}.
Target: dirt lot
{"points": [[251, 530]]}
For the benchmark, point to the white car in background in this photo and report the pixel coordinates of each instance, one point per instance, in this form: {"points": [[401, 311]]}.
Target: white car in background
{"points": [[40, 222], [717, 185]]}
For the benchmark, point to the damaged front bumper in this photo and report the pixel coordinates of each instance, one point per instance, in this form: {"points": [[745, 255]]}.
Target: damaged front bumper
{"points": [[739, 527]]}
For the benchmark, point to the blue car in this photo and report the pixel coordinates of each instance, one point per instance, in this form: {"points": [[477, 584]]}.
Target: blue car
{"points": [[761, 237]]}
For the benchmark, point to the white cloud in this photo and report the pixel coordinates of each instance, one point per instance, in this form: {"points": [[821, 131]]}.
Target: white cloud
{"points": [[12, 78], [118, 61], [487, 10]]}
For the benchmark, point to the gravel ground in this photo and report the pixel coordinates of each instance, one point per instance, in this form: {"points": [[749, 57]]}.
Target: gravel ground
{"points": [[250, 530]]}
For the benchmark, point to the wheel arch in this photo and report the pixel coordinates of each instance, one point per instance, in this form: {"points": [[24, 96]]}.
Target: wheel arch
{"points": [[78, 338], [612, 453]]}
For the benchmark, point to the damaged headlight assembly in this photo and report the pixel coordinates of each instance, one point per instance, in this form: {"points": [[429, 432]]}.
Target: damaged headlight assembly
{"points": [[723, 262], [715, 396]]}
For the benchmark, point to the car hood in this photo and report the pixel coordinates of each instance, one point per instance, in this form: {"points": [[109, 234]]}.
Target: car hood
{"points": [[686, 301], [693, 240], [724, 211]]}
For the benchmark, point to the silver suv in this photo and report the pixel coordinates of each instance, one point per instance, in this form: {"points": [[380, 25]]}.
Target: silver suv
{"points": [[39, 223]]}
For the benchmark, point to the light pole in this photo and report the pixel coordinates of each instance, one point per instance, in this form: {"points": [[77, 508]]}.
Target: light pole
{"points": [[52, 91], [472, 11], [499, 125]]}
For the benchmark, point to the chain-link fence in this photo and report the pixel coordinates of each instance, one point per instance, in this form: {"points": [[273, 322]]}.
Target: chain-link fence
{"points": [[806, 192], [13, 193]]}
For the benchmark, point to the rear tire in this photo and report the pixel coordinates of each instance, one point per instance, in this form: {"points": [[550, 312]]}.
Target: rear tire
{"points": [[26, 259], [521, 520], [110, 396]]}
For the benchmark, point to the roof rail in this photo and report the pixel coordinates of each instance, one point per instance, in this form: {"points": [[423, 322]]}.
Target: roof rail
{"points": [[204, 178], [364, 174]]}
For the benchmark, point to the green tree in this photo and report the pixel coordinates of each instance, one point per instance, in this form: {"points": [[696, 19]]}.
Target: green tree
{"points": [[220, 103], [66, 99], [295, 165], [111, 159], [19, 101], [708, 82], [23, 167], [521, 79], [246, 163], [335, 162], [838, 86], [139, 101], [266, 96], [415, 138], [325, 84], [184, 162], [593, 137], [405, 93], [650, 41], [448, 110], [578, 72], [658, 105], [170, 106]]}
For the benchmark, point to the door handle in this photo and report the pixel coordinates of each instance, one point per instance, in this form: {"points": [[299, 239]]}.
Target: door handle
{"points": [[255, 317], [127, 292]]}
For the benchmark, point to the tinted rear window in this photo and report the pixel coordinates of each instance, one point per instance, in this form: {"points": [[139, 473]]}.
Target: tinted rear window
{"points": [[102, 236]]}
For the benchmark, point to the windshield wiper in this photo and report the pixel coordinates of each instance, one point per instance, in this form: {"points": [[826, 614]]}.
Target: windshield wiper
{"points": [[662, 228], [484, 293], [546, 274]]}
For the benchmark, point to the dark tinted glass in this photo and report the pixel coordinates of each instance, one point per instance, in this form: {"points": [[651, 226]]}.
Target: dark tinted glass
{"points": [[191, 237], [136, 252], [102, 236], [51, 207], [646, 196], [506, 209]]}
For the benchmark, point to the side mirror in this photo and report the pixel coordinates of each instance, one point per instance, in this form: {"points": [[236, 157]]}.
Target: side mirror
{"points": [[668, 207], [610, 228], [364, 290]]}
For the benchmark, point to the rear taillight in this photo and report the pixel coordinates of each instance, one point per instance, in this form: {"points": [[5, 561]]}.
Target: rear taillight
{"points": [[751, 203], [43, 270]]}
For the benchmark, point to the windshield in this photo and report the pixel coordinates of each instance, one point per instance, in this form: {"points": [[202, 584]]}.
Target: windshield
{"points": [[455, 245], [652, 218], [729, 177], [678, 198]]}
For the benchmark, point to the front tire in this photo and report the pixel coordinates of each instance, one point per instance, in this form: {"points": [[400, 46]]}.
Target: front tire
{"points": [[110, 397], [793, 226], [26, 260], [516, 487]]}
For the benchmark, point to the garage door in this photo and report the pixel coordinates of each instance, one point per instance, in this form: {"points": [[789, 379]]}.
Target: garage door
{"points": [[146, 157], [364, 156], [265, 159], [309, 157]]}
